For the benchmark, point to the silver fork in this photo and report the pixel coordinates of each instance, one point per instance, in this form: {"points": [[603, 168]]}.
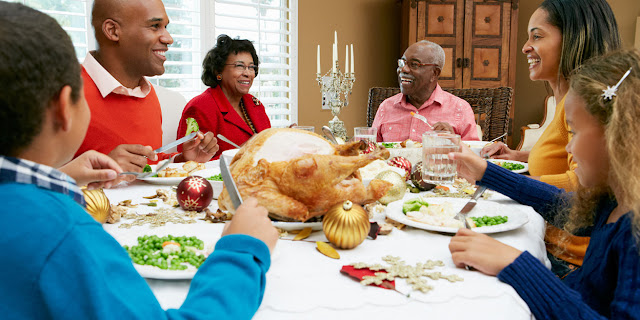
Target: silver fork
{"points": [[142, 175]]}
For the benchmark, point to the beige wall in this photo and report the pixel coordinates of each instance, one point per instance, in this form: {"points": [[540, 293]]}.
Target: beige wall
{"points": [[373, 26]]}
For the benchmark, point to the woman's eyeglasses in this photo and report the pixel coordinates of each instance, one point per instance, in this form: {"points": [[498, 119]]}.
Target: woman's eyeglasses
{"points": [[413, 65], [241, 67]]}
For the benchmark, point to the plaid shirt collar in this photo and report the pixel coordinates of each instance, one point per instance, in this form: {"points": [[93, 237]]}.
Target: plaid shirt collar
{"points": [[14, 170]]}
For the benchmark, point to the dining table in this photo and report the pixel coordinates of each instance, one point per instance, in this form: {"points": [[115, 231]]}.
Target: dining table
{"points": [[302, 283]]}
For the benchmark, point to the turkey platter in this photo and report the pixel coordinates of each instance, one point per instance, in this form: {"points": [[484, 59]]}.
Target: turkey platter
{"points": [[298, 175]]}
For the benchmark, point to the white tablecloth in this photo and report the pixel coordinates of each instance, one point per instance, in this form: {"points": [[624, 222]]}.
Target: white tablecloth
{"points": [[304, 284]]}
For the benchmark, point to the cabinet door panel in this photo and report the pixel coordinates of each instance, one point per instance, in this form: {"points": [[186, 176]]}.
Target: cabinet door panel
{"points": [[486, 44], [485, 64], [441, 20], [487, 20]]}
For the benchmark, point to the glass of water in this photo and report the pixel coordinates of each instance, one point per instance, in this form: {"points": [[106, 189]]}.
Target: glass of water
{"points": [[365, 133], [437, 168]]}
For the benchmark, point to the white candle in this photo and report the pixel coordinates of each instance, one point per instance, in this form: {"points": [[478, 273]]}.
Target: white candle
{"points": [[335, 58], [346, 58], [318, 60], [352, 61], [335, 37]]}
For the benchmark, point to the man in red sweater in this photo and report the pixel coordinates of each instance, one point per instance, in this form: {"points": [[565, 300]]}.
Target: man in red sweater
{"points": [[126, 119]]}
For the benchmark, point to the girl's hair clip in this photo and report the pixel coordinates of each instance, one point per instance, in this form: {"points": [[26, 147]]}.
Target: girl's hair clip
{"points": [[609, 92]]}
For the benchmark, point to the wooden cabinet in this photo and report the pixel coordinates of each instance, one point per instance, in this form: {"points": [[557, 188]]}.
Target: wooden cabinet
{"points": [[478, 38]]}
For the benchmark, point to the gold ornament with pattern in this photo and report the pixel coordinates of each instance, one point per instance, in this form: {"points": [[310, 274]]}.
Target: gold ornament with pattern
{"points": [[346, 225], [98, 205]]}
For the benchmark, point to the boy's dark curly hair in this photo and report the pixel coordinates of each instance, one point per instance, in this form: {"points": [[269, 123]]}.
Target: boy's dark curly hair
{"points": [[37, 60]]}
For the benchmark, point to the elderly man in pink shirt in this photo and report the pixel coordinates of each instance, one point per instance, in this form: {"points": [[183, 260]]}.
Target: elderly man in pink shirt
{"points": [[418, 73]]}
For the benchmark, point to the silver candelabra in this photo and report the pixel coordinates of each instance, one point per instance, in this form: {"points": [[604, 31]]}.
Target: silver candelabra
{"points": [[336, 88]]}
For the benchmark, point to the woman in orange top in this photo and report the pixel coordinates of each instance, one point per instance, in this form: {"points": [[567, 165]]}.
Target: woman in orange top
{"points": [[562, 35]]}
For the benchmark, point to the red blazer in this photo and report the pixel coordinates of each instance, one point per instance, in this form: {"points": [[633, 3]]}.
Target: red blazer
{"points": [[214, 113]]}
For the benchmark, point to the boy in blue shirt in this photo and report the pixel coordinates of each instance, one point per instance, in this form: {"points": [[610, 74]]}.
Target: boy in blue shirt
{"points": [[58, 263]]}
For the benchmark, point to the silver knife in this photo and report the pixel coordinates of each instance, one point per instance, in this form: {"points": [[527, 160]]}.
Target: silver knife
{"points": [[176, 143], [236, 199], [469, 206]]}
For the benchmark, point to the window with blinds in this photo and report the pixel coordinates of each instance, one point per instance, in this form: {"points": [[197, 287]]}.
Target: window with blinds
{"points": [[73, 15], [195, 25], [268, 23]]}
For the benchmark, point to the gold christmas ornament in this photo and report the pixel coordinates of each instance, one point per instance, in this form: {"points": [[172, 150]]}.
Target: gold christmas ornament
{"points": [[346, 225], [98, 205], [398, 189]]}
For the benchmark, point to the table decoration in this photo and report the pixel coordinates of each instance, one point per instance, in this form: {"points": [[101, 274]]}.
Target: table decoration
{"points": [[327, 250], [399, 269], [402, 163], [346, 225], [335, 85], [98, 205], [416, 178], [194, 193], [398, 189]]}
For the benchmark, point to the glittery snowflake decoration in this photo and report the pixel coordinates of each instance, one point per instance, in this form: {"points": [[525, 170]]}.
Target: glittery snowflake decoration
{"points": [[610, 92], [195, 184], [399, 269], [191, 203]]}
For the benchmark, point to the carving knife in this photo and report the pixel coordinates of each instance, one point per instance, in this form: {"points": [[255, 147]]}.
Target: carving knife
{"points": [[236, 199]]}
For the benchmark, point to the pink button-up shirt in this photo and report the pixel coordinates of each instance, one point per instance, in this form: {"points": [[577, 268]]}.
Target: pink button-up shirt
{"points": [[395, 122], [106, 83]]}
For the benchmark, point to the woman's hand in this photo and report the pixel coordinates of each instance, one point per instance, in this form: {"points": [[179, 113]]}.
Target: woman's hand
{"points": [[469, 165], [93, 169], [253, 220], [480, 251], [499, 150], [201, 149]]}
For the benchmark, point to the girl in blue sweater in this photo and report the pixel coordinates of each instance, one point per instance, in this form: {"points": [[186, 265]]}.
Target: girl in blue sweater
{"points": [[603, 109]]}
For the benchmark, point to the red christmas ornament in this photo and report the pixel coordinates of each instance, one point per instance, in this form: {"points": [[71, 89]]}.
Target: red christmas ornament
{"points": [[194, 193], [370, 147], [402, 163]]}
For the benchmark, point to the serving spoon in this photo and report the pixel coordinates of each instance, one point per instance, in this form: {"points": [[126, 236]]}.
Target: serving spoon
{"points": [[329, 134]]}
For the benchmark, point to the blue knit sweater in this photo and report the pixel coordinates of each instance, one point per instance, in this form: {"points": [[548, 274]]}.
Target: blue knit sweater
{"points": [[59, 263], [608, 283]]}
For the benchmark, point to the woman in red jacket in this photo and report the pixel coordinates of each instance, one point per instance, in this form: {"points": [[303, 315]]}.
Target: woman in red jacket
{"points": [[226, 107]]}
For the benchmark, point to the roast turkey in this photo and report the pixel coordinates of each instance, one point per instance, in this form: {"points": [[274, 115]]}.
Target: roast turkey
{"points": [[298, 175]]}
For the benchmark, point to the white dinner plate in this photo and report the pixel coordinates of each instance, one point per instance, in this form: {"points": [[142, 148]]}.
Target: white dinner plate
{"points": [[516, 217], [476, 146], [211, 168], [151, 272], [523, 170]]}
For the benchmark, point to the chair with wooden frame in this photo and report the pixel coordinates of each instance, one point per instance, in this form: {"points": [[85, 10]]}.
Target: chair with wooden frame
{"points": [[490, 105], [530, 133]]}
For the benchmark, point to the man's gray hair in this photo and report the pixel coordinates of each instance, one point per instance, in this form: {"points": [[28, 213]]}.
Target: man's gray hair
{"points": [[436, 51]]}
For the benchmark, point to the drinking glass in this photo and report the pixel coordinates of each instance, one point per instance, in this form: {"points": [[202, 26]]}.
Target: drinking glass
{"points": [[365, 133], [305, 128], [437, 168]]}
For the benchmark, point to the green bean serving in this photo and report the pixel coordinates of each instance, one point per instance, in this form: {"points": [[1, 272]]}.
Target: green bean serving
{"points": [[485, 221], [512, 166], [149, 251], [217, 177]]}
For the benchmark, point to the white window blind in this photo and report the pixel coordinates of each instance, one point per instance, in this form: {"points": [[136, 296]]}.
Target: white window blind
{"points": [[195, 24], [268, 23], [73, 15]]}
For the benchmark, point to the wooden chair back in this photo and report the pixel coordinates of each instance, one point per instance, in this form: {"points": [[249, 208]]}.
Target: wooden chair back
{"points": [[490, 105]]}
